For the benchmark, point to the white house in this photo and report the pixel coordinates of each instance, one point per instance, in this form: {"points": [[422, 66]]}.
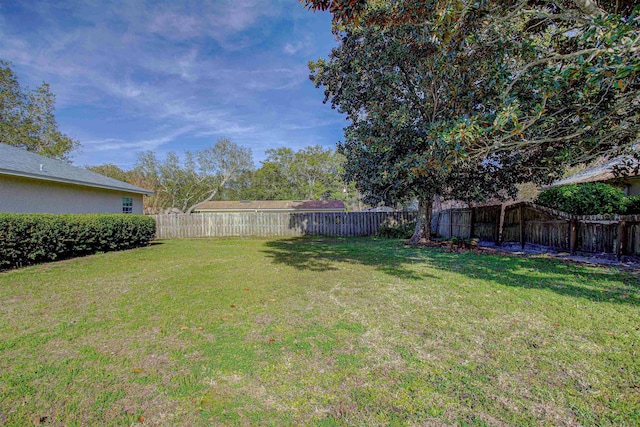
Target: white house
{"points": [[31, 183]]}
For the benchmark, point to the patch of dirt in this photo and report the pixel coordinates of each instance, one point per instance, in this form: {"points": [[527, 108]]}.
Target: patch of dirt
{"points": [[627, 263]]}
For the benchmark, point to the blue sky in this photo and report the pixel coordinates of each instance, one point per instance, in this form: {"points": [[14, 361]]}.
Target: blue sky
{"points": [[135, 75]]}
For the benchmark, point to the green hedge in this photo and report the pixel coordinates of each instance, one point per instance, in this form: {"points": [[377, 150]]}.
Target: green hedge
{"points": [[584, 199], [32, 238], [632, 205]]}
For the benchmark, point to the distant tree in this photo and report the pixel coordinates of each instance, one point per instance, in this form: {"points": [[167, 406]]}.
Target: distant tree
{"points": [[317, 172], [270, 182], [27, 118], [312, 173], [146, 174], [111, 170], [217, 167], [219, 171], [200, 177]]}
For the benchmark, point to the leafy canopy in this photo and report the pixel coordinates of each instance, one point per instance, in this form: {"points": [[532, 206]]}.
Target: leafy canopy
{"points": [[225, 172], [27, 118], [467, 98], [312, 173], [594, 198], [560, 77]]}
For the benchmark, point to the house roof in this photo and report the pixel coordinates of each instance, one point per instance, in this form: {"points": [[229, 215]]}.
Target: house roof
{"points": [[603, 172], [288, 205], [18, 162]]}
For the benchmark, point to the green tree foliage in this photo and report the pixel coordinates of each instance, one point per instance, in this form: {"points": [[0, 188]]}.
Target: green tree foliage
{"points": [[183, 183], [632, 205], [565, 72], [447, 96], [404, 90], [112, 171], [593, 198], [312, 173], [27, 118], [225, 172]]}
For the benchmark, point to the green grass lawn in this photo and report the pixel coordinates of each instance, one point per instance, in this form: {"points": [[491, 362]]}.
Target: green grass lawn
{"points": [[317, 332]]}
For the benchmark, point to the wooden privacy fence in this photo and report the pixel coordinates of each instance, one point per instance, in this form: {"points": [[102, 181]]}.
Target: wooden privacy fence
{"points": [[482, 222], [528, 223], [266, 224]]}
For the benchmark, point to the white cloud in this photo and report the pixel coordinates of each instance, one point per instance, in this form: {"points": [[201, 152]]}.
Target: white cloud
{"points": [[292, 49], [177, 67], [144, 144]]}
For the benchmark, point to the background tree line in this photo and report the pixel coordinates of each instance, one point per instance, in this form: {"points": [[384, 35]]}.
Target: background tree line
{"points": [[226, 171]]}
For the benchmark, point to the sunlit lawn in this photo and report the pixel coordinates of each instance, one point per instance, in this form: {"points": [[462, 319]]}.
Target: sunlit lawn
{"points": [[317, 332]]}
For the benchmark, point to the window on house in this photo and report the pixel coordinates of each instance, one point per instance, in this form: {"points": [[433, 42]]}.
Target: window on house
{"points": [[127, 205]]}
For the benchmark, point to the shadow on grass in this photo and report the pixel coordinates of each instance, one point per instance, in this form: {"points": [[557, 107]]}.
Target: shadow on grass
{"points": [[398, 260], [318, 254]]}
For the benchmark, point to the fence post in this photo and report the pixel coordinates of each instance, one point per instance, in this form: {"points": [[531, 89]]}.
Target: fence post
{"points": [[573, 236], [472, 223], [523, 241], [498, 224], [451, 223], [622, 238]]}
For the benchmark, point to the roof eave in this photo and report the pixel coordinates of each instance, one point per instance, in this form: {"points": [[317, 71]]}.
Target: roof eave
{"points": [[268, 209], [74, 182]]}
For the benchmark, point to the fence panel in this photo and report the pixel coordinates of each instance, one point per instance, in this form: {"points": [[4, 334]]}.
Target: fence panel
{"points": [[529, 223], [486, 222], [266, 224], [542, 226], [461, 223]]}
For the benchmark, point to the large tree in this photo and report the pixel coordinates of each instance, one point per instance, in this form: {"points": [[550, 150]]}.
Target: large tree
{"points": [[27, 118], [566, 71], [404, 98], [441, 92]]}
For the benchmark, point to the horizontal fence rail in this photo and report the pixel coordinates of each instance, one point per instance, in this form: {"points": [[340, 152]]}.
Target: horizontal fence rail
{"points": [[529, 223], [267, 224]]}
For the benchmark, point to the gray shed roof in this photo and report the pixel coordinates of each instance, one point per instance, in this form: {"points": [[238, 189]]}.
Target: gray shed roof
{"points": [[273, 205], [603, 172], [18, 162]]}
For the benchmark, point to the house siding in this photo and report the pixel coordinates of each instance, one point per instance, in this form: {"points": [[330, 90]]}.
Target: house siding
{"points": [[633, 188], [24, 195]]}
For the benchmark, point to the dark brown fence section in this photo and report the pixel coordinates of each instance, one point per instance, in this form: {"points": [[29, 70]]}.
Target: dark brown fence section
{"points": [[343, 224], [482, 222], [528, 223]]}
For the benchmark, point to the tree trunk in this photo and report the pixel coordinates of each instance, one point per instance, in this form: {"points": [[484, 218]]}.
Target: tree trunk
{"points": [[422, 232], [208, 199]]}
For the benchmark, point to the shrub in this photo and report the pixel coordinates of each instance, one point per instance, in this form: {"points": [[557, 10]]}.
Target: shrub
{"points": [[32, 238], [584, 199], [632, 205], [397, 231]]}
